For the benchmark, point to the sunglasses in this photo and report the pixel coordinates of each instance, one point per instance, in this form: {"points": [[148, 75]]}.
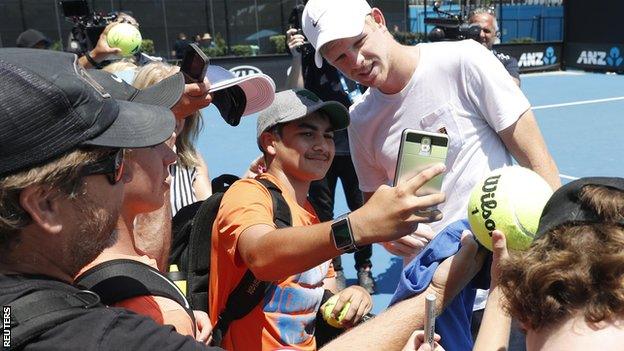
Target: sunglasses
{"points": [[111, 166]]}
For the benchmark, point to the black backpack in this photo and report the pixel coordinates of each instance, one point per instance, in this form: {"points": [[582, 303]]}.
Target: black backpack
{"points": [[191, 251]]}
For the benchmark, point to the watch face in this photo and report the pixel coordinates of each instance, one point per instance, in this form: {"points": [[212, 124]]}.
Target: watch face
{"points": [[342, 234]]}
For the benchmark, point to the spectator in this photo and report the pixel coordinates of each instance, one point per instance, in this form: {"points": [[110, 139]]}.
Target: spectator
{"points": [[34, 39], [144, 193], [61, 189], [566, 289], [205, 41], [489, 35], [180, 46], [190, 180], [330, 85], [456, 88]]}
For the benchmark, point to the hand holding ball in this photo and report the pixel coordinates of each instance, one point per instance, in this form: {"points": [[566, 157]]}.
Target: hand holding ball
{"points": [[328, 307], [510, 199], [125, 37]]}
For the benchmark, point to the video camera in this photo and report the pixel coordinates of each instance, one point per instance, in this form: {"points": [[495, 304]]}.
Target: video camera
{"points": [[294, 20], [451, 27], [87, 25]]}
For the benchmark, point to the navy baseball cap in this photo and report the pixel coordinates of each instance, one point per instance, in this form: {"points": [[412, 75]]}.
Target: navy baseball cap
{"points": [[49, 105]]}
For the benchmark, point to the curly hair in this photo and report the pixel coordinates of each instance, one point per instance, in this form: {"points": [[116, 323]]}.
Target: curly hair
{"points": [[574, 268]]}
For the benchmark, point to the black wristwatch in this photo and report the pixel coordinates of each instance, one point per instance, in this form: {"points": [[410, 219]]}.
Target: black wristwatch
{"points": [[342, 234], [92, 61]]}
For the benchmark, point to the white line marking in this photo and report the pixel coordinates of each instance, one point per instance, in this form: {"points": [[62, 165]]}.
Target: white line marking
{"points": [[584, 102], [568, 177], [552, 73]]}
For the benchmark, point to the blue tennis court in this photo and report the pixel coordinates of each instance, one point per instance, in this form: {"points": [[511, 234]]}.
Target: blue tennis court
{"points": [[580, 115]]}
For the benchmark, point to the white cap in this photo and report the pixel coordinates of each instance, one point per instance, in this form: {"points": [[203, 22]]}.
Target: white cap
{"points": [[259, 88], [327, 20]]}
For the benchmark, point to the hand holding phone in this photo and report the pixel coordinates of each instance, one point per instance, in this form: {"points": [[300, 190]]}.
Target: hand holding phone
{"points": [[194, 64]]}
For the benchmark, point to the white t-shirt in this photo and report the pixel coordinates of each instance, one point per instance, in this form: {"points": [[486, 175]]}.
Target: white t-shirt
{"points": [[459, 88]]}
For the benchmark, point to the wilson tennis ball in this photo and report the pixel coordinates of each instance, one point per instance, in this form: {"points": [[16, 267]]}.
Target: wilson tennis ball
{"points": [[126, 37], [510, 199], [329, 307]]}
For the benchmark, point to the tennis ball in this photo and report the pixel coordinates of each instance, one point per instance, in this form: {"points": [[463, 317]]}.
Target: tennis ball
{"points": [[126, 37], [510, 199], [329, 307]]}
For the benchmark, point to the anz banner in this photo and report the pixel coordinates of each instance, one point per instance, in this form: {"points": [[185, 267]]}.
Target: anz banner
{"points": [[534, 57], [601, 57]]}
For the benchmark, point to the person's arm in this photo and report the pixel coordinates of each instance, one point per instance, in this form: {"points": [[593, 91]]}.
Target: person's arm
{"points": [[409, 245], [525, 142], [360, 304], [496, 323], [391, 329], [101, 50], [389, 214], [201, 184], [295, 77], [152, 234]]}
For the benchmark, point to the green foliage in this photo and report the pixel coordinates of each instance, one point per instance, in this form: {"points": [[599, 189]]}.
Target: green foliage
{"points": [[56, 46], [147, 46], [278, 43], [241, 50], [522, 40], [408, 38]]}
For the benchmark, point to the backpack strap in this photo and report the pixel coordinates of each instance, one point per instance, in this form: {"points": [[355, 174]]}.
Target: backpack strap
{"points": [[250, 291], [122, 279], [36, 313]]}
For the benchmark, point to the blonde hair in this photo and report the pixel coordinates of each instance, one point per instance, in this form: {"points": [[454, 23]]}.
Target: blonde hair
{"points": [[153, 73], [62, 173], [121, 65]]}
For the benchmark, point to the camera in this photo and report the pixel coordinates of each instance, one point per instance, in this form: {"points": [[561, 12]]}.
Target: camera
{"points": [[87, 25], [294, 20], [451, 27]]}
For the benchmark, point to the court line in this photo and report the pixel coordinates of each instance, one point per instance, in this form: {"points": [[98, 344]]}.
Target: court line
{"points": [[568, 177], [582, 102]]}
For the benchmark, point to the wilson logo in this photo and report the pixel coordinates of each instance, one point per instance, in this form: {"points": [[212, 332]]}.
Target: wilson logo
{"points": [[488, 202], [241, 71]]}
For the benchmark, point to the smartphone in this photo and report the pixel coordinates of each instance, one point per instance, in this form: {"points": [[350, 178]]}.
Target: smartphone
{"points": [[419, 150], [194, 64]]}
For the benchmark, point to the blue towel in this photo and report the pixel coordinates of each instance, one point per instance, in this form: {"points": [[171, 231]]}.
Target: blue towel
{"points": [[453, 324]]}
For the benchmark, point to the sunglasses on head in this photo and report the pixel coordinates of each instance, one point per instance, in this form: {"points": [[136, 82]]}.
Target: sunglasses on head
{"points": [[111, 166]]}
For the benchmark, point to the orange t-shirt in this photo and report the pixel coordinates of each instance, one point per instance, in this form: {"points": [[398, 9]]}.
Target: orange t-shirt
{"points": [[285, 318], [161, 309]]}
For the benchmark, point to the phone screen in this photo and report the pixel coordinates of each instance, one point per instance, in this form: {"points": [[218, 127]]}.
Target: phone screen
{"points": [[418, 151], [194, 64]]}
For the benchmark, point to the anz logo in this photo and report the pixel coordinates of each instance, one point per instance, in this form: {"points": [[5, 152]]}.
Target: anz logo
{"points": [[241, 71], [601, 58], [534, 59]]}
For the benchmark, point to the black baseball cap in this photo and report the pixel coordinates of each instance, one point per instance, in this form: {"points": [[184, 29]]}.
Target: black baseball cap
{"points": [[564, 206], [30, 38], [49, 105], [165, 93]]}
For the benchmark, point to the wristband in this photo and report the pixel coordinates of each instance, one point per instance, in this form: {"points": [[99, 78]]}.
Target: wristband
{"points": [[92, 61]]}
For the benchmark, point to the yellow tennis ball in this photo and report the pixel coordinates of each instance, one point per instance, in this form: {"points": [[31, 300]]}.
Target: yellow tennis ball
{"points": [[510, 199], [126, 37], [329, 307]]}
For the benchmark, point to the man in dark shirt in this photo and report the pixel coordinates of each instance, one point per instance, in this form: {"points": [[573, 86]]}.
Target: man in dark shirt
{"points": [[489, 33], [331, 85], [61, 188]]}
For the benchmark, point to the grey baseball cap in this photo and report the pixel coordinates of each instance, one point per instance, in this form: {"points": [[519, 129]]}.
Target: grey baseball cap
{"points": [[291, 105]]}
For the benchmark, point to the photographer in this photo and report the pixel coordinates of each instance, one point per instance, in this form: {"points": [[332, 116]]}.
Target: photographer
{"points": [[330, 85], [485, 19]]}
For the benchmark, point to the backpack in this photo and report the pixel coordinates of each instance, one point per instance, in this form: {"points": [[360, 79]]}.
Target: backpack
{"points": [[191, 252], [121, 279]]}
